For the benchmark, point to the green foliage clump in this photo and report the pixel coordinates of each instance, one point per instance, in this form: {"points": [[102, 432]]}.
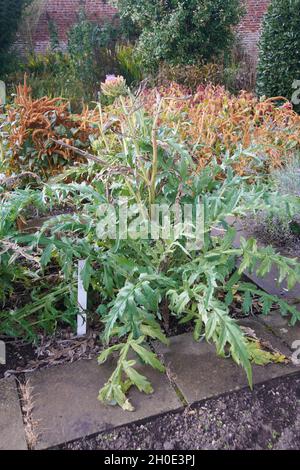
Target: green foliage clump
{"points": [[50, 74], [279, 59], [181, 32], [96, 50], [10, 16], [135, 283], [93, 51], [129, 65], [281, 227], [90, 49]]}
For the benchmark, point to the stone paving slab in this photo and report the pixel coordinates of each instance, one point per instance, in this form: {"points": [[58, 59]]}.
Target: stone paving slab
{"points": [[12, 435], [263, 332], [66, 405], [269, 283], [280, 326], [200, 374]]}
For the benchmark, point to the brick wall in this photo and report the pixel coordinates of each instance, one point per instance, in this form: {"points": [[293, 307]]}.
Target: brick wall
{"points": [[64, 14], [250, 27]]}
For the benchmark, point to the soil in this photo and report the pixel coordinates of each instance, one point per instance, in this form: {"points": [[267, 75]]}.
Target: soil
{"points": [[286, 243], [267, 418], [65, 347], [62, 348], [18, 355]]}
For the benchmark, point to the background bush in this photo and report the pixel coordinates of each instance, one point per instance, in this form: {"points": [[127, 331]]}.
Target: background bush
{"points": [[279, 59], [10, 16], [235, 74], [182, 31], [93, 51]]}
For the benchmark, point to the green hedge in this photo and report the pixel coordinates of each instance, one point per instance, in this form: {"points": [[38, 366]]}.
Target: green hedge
{"points": [[182, 31], [10, 16], [279, 58]]}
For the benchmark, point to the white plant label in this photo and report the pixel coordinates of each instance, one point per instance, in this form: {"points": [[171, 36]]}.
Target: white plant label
{"points": [[82, 303], [2, 353], [296, 94], [2, 93]]}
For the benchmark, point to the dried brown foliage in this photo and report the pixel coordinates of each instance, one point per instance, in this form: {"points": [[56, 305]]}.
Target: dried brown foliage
{"points": [[214, 122], [34, 127]]}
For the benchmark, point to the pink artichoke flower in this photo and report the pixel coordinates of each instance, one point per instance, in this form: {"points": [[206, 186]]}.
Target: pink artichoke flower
{"points": [[114, 86]]}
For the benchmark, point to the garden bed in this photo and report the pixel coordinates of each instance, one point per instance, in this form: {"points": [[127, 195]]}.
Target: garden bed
{"points": [[139, 288], [63, 348], [19, 355], [288, 245]]}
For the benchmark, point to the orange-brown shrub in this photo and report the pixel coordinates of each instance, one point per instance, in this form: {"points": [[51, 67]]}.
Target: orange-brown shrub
{"points": [[32, 126], [213, 122]]}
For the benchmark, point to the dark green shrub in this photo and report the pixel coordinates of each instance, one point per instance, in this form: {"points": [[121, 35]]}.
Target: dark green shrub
{"points": [[93, 53], [89, 48], [10, 16], [279, 59], [182, 31]]}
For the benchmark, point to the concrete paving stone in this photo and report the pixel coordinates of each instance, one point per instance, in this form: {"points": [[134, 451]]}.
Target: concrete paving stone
{"points": [[200, 374], [263, 332], [269, 283], [280, 326], [66, 405], [12, 436]]}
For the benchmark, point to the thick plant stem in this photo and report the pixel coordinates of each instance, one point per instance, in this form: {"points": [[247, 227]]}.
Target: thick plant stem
{"points": [[101, 128], [155, 152]]}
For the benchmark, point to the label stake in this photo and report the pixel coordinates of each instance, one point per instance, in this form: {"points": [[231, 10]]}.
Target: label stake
{"points": [[82, 303], [2, 93]]}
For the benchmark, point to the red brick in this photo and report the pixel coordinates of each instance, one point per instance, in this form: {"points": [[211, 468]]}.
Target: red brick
{"points": [[64, 14], [250, 27]]}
